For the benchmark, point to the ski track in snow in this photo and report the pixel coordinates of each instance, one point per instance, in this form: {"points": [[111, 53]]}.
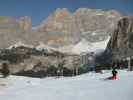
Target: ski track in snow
{"points": [[90, 86]]}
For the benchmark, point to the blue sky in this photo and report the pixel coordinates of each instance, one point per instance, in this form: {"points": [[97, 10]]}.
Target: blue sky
{"points": [[38, 10]]}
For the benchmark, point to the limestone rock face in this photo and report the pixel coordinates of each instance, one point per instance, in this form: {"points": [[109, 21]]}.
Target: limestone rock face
{"points": [[25, 23], [95, 24], [59, 21], [7, 22], [9, 31], [61, 28], [121, 42], [14, 30]]}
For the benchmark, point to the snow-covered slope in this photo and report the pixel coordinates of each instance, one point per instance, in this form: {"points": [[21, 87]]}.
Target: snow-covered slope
{"points": [[98, 46], [89, 86], [81, 47], [84, 47]]}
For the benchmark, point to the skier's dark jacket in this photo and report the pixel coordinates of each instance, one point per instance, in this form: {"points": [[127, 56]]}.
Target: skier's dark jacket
{"points": [[114, 72]]}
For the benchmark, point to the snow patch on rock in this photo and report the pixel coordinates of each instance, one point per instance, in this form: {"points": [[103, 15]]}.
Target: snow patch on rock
{"points": [[20, 43], [42, 46]]}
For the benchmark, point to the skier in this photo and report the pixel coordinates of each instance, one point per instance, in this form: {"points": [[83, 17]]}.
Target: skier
{"points": [[114, 75]]}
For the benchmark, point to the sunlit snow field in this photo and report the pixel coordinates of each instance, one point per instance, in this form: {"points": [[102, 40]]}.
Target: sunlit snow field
{"points": [[90, 86]]}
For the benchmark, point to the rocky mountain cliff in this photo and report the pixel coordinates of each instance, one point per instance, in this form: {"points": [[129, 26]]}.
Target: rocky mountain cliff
{"points": [[95, 24], [121, 42], [92, 24], [61, 28], [25, 23], [9, 31]]}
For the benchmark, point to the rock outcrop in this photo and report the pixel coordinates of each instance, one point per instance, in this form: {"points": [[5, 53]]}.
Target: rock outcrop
{"points": [[60, 28], [96, 24], [9, 31], [121, 43], [25, 23]]}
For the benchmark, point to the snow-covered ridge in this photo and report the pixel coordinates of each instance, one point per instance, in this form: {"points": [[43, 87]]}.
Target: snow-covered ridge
{"points": [[81, 47]]}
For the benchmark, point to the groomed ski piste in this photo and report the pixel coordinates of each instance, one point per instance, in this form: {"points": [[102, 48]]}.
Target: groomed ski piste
{"points": [[89, 86]]}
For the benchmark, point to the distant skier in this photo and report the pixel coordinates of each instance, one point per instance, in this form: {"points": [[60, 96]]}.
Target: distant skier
{"points": [[58, 73], [91, 62]]}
